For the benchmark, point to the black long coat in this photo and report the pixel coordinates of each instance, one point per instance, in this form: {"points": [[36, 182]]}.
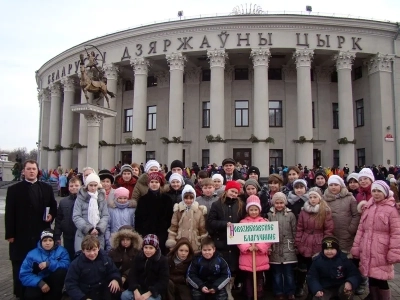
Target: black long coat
{"points": [[24, 218]]}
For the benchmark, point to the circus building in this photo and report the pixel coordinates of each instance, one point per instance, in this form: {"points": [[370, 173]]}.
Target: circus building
{"points": [[265, 89]]}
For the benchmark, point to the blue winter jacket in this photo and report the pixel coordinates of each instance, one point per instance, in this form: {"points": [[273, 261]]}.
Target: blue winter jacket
{"points": [[30, 274]]}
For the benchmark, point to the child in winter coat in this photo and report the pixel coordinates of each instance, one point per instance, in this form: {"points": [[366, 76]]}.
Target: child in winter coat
{"points": [[107, 180], [297, 197], [283, 254], [253, 208], [64, 225], [179, 260], [149, 274], [275, 183], [332, 275], [176, 185], [126, 243], [121, 215], [352, 184], [218, 184], [228, 209], [199, 186], [365, 179], [90, 214], [44, 269], [293, 173], [321, 180], [208, 194], [315, 222], [128, 180], [188, 220], [378, 239]]}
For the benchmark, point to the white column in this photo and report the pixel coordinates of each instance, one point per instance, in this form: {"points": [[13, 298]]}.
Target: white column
{"points": [[260, 58], [344, 61], [67, 123], [44, 96], [217, 103], [108, 128], [54, 130], [93, 135], [381, 99], [140, 67], [303, 59], [176, 62], [83, 138]]}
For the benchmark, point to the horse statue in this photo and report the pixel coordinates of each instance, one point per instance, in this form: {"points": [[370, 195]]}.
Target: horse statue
{"points": [[93, 86]]}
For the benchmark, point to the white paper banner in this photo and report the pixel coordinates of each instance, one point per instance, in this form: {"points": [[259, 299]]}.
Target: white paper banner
{"points": [[260, 232]]}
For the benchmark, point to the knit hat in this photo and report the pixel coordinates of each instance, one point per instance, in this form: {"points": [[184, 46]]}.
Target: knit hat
{"points": [[176, 176], [393, 180], [300, 181], [354, 176], [121, 192], [103, 174], [336, 179], [177, 164], [330, 242], [47, 233], [156, 176], [315, 191], [252, 182], [275, 177], [126, 168], [381, 186], [188, 189], [253, 200], [228, 161], [321, 173], [151, 163], [253, 169], [241, 181], [278, 196], [152, 240], [232, 185], [217, 176], [92, 178], [366, 172]]}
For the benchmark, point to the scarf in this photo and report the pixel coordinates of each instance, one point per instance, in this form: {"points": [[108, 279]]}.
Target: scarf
{"points": [[177, 260], [293, 198], [93, 209], [310, 208]]}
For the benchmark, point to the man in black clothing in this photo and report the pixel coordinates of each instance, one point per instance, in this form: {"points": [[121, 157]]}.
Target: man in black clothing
{"points": [[229, 171], [26, 217]]}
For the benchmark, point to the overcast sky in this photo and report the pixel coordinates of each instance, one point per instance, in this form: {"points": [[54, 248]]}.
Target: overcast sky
{"points": [[32, 32]]}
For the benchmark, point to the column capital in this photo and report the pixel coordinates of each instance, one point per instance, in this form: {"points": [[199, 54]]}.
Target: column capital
{"points": [[344, 60], [192, 75], [380, 62], [68, 84], [323, 74], [111, 71], [176, 61], [94, 120], [217, 57], [162, 79], [140, 66], [43, 95], [260, 56], [55, 90], [303, 57], [228, 74], [289, 73]]}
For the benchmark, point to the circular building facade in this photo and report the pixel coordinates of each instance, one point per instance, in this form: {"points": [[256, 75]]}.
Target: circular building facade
{"points": [[263, 89]]}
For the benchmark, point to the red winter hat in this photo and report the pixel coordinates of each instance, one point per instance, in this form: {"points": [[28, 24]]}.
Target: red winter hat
{"points": [[232, 185], [156, 176]]}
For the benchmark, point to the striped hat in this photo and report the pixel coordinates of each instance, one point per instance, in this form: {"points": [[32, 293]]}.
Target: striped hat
{"points": [[381, 186]]}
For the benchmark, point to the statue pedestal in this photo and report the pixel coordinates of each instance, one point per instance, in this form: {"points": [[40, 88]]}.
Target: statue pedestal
{"points": [[94, 115]]}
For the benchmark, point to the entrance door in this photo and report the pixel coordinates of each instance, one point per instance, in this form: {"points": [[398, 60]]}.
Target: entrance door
{"points": [[317, 157], [126, 157], [242, 155]]}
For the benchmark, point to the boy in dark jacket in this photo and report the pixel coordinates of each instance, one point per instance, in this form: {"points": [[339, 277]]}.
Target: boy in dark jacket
{"points": [[149, 274], [208, 273], [64, 225], [93, 275], [332, 274]]}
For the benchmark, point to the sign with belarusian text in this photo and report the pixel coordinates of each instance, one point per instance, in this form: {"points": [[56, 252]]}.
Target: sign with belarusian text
{"points": [[260, 232]]}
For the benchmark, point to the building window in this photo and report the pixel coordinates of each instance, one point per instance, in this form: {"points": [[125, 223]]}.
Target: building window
{"points": [[205, 157], [336, 161], [242, 113], [242, 74], [335, 112], [276, 157], [334, 76], [313, 115], [274, 74], [150, 155], [275, 113], [206, 75], [359, 113], [128, 85], [361, 157], [206, 114], [151, 81], [128, 113], [357, 73], [151, 117]]}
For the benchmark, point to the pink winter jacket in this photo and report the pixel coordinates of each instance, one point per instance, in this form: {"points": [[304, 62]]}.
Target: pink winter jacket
{"points": [[378, 238], [246, 256]]}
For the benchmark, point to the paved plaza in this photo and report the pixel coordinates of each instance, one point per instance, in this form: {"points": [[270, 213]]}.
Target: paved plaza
{"points": [[6, 274]]}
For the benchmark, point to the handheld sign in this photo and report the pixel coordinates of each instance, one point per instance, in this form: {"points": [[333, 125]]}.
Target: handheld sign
{"points": [[260, 232]]}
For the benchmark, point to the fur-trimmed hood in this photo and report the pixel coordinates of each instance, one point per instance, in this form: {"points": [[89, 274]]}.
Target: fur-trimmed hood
{"points": [[181, 206], [328, 196], [137, 240]]}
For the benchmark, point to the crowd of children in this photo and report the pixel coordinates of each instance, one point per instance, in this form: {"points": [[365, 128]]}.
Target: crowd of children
{"points": [[170, 242]]}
